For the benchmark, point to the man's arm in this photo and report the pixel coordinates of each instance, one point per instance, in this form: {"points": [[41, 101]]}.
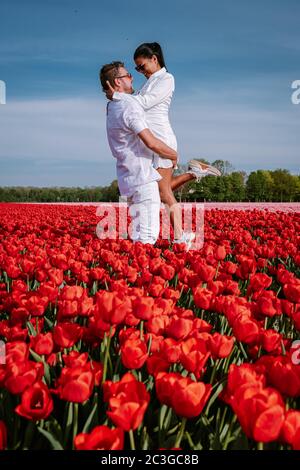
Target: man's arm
{"points": [[157, 94], [157, 146], [134, 119]]}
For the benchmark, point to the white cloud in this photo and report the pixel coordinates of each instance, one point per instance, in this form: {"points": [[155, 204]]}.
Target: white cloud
{"points": [[241, 126], [65, 139], [67, 129]]}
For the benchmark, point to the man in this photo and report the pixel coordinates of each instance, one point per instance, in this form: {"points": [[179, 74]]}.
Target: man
{"points": [[133, 145]]}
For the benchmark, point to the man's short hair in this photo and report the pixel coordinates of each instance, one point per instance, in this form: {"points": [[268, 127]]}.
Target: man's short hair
{"points": [[108, 73]]}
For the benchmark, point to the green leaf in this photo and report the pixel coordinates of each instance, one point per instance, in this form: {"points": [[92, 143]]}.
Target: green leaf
{"points": [[29, 433], [90, 418], [38, 358], [69, 422], [31, 329], [240, 443], [162, 415], [49, 322], [214, 396], [56, 445]]}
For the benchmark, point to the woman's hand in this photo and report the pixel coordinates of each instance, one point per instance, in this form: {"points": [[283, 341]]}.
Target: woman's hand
{"points": [[109, 93]]}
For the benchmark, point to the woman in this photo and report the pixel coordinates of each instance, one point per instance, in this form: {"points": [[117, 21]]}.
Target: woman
{"points": [[155, 98]]}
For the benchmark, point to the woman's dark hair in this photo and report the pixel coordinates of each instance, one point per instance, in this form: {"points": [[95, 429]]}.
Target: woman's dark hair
{"points": [[149, 49]]}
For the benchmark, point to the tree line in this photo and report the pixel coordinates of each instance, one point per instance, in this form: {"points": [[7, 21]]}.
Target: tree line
{"points": [[233, 186]]}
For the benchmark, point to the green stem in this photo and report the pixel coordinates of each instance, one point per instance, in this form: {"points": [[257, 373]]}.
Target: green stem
{"points": [[106, 356], [260, 446], [217, 270], [142, 330], [75, 422], [180, 433], [131, 438], [214, 371], [228, 434], [243, 350]]}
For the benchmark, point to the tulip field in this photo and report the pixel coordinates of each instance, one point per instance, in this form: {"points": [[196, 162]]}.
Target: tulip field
{"points": [[110, 345]]}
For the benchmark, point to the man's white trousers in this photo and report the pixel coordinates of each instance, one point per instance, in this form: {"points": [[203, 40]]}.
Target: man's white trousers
{"points": [[144, 210]]}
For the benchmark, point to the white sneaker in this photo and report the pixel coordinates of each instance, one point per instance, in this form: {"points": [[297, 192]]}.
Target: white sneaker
{"points": [[187, 238], [196, 172], [203, 169]]}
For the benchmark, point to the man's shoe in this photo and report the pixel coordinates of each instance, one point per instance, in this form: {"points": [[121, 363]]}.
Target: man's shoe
{"points": [[204, 168], [187, 238]]}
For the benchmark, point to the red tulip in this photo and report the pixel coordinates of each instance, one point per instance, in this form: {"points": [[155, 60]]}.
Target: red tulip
{"points": [[156, 364], [285, 376], [128, 401], [36, 402], [179, 328], [270, 340], [290, 426], [22, 375], [66, 335], [134, 353], [292, 291], [101, 438], [16, 351], [258, 281], [246, 330], [194, 355], [142, 307], [112, 307], [205, 272], [185, 396], [76, 384], [220, 253], [189, 399], [165, 384], [203, 298], [260, 412], [220, 345], [42, 343], [75, 359]]}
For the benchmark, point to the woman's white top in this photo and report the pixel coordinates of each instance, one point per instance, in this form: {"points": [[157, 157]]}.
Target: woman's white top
{"points": [[155, 98]]}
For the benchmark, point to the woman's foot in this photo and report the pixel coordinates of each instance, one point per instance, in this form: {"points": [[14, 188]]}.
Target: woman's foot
{"points": [[200, 169]]}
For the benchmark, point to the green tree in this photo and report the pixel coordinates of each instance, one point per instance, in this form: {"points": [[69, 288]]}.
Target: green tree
{"points": [[286, 186], [224, 166], [259, 186], [237, 186]]}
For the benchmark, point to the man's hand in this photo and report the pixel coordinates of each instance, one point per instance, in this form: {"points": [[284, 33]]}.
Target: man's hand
{"points": [[109, 93]]}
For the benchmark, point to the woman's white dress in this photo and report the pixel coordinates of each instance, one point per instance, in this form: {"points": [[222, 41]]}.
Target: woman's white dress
{"points": [[155, 98]]}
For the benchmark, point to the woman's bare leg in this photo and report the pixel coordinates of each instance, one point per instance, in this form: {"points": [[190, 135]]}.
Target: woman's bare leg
{"points": [[179, 180], [168, 198]]}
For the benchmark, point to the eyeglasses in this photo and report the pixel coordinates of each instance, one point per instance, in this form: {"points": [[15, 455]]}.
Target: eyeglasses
{"points": [[140, 68], [125, 76]]}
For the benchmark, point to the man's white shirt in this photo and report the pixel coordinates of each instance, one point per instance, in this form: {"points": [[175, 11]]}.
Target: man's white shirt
{"points": [[155, 98], [125, 120]]}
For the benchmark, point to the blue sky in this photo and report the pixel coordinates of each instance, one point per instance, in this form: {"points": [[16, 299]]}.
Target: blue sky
{"points": [[234, 62]]}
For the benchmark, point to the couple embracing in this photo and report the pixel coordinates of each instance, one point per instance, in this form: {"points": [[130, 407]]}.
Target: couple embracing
{"points": [[142, 141]]}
